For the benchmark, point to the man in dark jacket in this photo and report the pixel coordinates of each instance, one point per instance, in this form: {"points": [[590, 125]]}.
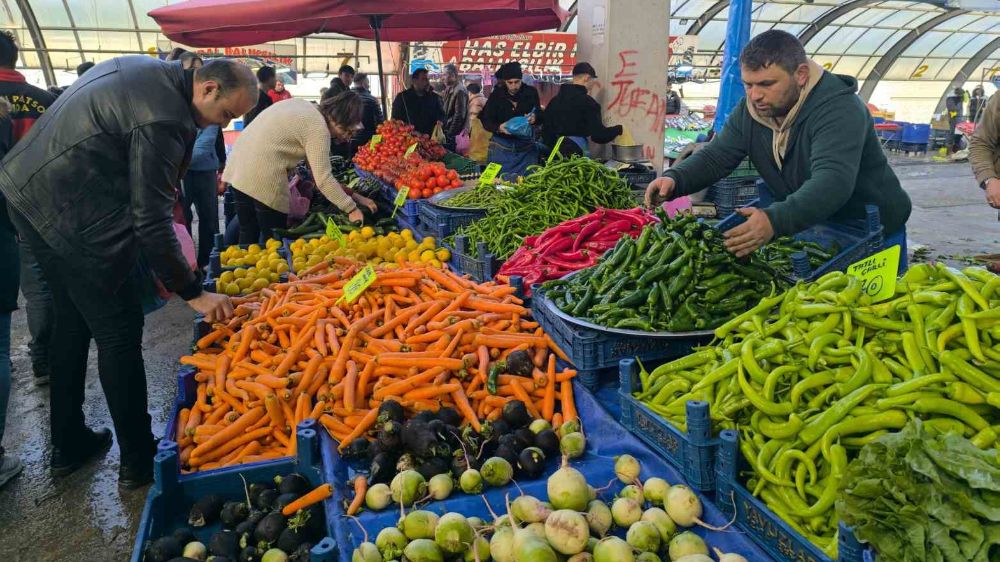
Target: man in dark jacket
{"points": [[27, 104], [418, 105], [456, 106], [812, 140], [372, 116], [577, 116], [92, 186], [267, 79], [9, 466]]}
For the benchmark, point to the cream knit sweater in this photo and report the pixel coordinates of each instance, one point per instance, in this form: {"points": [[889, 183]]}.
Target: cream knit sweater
{"points": [[269, 149]]}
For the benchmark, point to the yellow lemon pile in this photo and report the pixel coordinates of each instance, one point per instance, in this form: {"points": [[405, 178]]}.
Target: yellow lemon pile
{"points": [[256, 268], [393, 249]]}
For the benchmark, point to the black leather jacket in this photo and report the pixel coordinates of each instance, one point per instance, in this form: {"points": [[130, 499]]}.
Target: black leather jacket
{"points": [[96, 175]]}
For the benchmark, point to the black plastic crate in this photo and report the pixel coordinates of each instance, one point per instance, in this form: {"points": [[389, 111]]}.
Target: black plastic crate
{"points": [[731, 193], [482, 268]]}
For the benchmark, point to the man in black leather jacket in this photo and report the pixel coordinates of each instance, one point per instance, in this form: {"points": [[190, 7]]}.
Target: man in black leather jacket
{"points": [[92, 186]]}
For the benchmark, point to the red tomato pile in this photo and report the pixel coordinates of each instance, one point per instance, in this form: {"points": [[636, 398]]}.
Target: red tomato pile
{"points": [[386, 160], [429, 178]]}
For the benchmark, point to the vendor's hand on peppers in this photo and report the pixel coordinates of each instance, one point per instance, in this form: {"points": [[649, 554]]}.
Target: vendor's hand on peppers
{"points": [[356, 216], [361, 200], [215, 307], [754, 233], [660, 190]]}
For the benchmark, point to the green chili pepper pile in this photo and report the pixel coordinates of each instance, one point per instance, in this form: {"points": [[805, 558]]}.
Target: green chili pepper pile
{"points": [[818, 372], [677, 276], [551, 194], [483, 196], [778, 254]]}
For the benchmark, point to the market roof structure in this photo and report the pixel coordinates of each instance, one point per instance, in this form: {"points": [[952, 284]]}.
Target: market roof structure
{"points": [[872, 40]]}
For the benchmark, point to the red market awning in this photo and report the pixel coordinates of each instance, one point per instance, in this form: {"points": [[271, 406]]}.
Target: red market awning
{"points": [[230, 23]]}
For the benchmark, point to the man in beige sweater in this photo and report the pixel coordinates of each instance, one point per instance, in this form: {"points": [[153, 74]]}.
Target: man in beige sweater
{"points": [[270, 148]]}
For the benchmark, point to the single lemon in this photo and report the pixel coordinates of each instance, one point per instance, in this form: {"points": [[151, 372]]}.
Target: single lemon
{"points": [[239, 273], [281, 267], [254, 249], [406, 233], [227, 277], [232, 289], [427, 255], [435, 263], [244, 282], [367, 232]]}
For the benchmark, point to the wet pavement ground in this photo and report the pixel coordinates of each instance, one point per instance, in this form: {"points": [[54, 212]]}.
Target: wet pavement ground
{"points": [[84, 517]]}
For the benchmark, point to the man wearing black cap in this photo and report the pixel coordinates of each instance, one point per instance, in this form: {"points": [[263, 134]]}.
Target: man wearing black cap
{"points": [[511, 98], [575, 115]]}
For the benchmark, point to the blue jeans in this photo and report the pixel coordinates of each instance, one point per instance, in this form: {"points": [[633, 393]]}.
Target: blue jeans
{"points": [[4, 371], [199, 191], [513, 155]]}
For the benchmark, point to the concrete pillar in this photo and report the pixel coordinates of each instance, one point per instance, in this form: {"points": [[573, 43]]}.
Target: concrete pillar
{"points": [[626, 42]]}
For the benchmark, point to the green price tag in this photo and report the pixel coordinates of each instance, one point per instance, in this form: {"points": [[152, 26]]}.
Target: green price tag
{"points": [[375, 140], [404, 192], [878, 273], [490, 173], [333, 232], [410, 150], [358, 284]]}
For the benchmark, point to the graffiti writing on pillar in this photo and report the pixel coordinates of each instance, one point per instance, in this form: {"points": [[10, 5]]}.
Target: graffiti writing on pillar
{"points": [[634, 101]]}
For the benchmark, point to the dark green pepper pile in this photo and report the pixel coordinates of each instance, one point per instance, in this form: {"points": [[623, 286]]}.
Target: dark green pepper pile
{"points": [[676, 276], [819, 371]]}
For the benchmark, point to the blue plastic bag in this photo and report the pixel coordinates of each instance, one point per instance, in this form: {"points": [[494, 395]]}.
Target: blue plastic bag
{"points": [[519, 126]]}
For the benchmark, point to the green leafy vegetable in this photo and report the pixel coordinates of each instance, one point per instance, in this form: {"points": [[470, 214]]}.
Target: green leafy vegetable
{"points": [[916, 497]]}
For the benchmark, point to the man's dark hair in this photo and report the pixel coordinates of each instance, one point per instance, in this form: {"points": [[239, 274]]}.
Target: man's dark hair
{"points": [[8, 49], [474, 88], [344, 109], [265, 73], [228, 74], [176, 53], [346, 68], [416, 73], [774, 47], [360, 78], [83, 67]]}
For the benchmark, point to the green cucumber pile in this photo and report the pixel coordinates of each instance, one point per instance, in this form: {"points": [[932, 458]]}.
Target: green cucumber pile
{"points": [[676, 277]]}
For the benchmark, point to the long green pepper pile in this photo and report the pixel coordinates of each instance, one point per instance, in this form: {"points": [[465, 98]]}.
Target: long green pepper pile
{"points": [[546, 197], [677, 276], [811, 376]]}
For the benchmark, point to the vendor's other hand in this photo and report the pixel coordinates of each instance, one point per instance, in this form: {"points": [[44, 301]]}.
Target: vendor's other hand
{"points": [[356, 216], [660, 190], [214, 306], [531, 118], [993, 193], [503, 129], [361, 200], [754, 233]]}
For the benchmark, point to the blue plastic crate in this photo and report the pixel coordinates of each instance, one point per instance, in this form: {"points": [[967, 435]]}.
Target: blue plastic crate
{"points": [[770, 532], [441, 222], [482, 268], [693, 452], [856, 241], [597, 351], [606, 439], [170, 498]]}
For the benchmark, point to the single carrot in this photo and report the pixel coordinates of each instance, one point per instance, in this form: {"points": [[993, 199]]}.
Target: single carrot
{"points": [[431, 391], [350, 385], [523, 397], [566, 401], [360, 489], [361, 428], [463, 406], [320, 493], [549, 403]]}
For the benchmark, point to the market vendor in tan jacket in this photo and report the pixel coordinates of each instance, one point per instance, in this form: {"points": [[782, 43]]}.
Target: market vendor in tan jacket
{"points": [[267, 151], [984, 152]]}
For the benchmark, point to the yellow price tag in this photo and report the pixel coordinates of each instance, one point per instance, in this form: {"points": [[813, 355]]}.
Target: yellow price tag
{"points": [[878, 273], [490, 173], [375, 140], [404, 192], [410, 150], [333, 232], [358, 284]]}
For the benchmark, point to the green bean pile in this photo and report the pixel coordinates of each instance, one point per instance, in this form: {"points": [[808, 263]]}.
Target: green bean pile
{"points": [[548, 196], [482, 196], [811, 376]]}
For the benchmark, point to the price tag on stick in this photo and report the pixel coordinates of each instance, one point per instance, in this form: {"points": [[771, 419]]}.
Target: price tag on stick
{"points": [[404, 192], [878, 273], [375, 140], [490, 173], [333, 232], [410, 150], [358, 284]]}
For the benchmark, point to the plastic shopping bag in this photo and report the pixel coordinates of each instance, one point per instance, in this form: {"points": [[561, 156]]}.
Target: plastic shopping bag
{"points": [[519, 126], [299, 198], [438, 133], [462, 142], [479, 143]]}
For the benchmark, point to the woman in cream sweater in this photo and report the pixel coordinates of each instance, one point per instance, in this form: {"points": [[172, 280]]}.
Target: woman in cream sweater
{"points": [[269, 149]]}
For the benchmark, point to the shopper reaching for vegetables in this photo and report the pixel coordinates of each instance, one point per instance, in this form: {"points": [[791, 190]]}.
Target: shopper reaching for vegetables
{"points": [[282, 136], [813, 142]]}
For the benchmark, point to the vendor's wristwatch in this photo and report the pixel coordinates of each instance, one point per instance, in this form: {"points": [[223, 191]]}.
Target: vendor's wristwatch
{"points": [[985, 183]]}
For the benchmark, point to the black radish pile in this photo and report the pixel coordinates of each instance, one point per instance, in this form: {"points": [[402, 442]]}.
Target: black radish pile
{"points": [[427, 456], [252, 529], [572, 526]]}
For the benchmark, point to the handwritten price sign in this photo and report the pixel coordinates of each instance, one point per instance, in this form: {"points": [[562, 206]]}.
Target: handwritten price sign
{"points": [[878, 273], [333, 232], [358, 284], [404, 192], [375, 140], [410, 150], [489, 174]]}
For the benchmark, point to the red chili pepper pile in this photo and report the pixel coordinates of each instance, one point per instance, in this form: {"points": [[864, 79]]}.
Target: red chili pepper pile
{"points": [[573, 245]]}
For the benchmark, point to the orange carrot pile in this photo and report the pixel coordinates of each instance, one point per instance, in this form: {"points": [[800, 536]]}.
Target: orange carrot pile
{"points": [[421, 336]]}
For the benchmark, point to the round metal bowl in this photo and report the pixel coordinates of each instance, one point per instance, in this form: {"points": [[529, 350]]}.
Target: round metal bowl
{"points": [[627, 153]]}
